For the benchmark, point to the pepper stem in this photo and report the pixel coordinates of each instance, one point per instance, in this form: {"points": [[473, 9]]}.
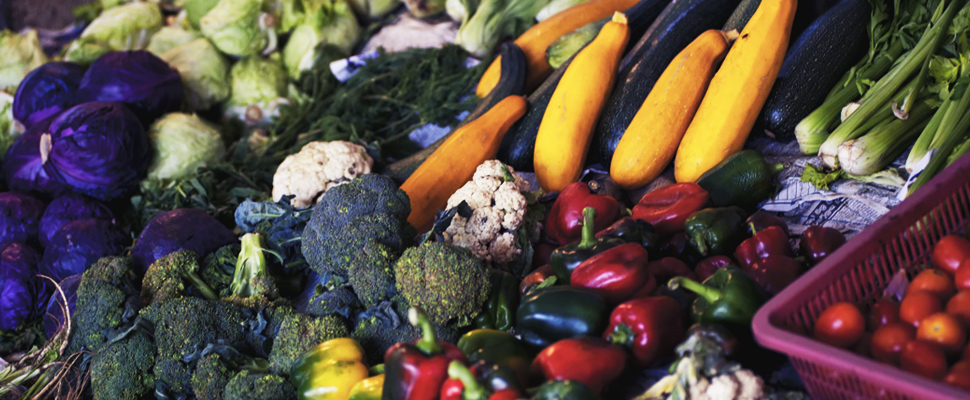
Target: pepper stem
{"points": [[710, 294], [754, 231], [471, 390], [776, 168], [622, 335], [698, 241], [589, 228], [427, 343]]}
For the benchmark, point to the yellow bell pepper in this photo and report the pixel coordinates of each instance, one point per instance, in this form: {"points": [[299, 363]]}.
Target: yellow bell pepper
{"points": [[368, 389], [329, 370]]}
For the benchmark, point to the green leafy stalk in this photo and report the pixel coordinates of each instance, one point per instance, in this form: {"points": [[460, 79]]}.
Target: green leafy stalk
{"points": [[250, 265], [879, 147], [880, 95], [953, 127], [923, 142], [959, 151]]}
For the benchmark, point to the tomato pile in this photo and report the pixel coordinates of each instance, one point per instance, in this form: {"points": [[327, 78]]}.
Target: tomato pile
{"points": [[925, 332]]}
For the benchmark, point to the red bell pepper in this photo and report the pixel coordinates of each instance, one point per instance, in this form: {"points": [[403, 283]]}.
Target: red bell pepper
{"points": [[650, 327], [668, 207], [710, 265], [462, 385], [669, 267], [586, 359], [762, 219], [535, 278], [818, 242], [770, 241], [565, 219], [678, 246], [775, 272], [618, 274], [416, 371]]}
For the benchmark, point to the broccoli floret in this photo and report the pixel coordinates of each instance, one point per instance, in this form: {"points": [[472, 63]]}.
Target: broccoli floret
{"points": [[448, 282], [219, 266], [173, 377], [335, 250], [123, 369], [210, 377], [252, 285], [186, 324], [373, 274], [107, 298], [299, 333], [366, 195], [256, 386], [171, 277]]}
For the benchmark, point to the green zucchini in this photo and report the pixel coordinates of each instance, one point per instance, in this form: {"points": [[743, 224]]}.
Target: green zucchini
{"points": [[678, 25], [640, 17], [511, 83], [739, 18], [813, 65]]}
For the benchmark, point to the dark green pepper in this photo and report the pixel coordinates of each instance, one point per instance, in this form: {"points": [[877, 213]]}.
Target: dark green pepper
{"points": [[728, 297], [743, 179], [503, 298], [498, 347], [631, 230], [554, 313], [564, 390], [716, 231], [565, 259]]}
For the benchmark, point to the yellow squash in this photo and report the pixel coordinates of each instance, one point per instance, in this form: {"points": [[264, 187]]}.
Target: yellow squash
{"points": [[454, 163], [567, 125], [651, 140], [737, 91], [537, 39]]}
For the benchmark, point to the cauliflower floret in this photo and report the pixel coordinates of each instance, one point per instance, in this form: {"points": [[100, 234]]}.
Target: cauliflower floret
{"points": [[318, 167], [741, 385], [498, 210]]}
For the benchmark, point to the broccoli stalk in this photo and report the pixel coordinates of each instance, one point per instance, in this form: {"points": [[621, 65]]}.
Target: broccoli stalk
{"points": [[251, 275]]}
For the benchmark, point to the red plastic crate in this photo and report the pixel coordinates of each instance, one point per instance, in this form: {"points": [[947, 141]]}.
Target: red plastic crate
{"points": [[859, 272]]}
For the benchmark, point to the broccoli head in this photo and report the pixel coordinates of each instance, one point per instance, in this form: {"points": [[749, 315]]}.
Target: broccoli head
{"points": [[252, 285], [184, 325], [210, 377], [372, 276], [172, 378], [366, 195], [172, 276], [384, 325], [107, 299], [122, 369], [219, 266], [248, 385], [448, 282], [299, 333]]}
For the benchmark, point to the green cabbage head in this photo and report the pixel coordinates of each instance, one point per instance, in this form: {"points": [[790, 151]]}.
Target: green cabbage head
{"points": [[168, 38], [239, 27], [181, 143], [204, 71], [125, 27], [19, 54], [335, 24]]}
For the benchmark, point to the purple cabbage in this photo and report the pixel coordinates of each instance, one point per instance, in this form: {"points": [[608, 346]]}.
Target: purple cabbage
{"points": [[98, 149], [46, 91], [78, 244], [54, 315], [67, 208], [139, 79], [20, 215], [20, 288], [184, 228], [23, 168]]}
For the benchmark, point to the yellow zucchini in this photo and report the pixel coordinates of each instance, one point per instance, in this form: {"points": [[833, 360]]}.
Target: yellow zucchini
{"points": [[651, 140], [455, 161], [737, 92], [567, 125]]}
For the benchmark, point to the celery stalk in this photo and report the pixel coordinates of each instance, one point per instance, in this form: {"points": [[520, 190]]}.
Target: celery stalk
{"points": [[959, 151], [880, 146], [922, 144], [952, 129], [880, 95]]}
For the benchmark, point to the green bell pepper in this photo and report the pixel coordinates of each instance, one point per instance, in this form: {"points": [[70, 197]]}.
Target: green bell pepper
{"points": [[716, 231], [498, 347], [564, 390], [565, 259], [728, 297], [503, 299], [551, 314], [743, 179]]}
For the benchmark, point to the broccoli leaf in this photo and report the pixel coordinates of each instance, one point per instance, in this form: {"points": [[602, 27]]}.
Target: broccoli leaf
{"points": [[819, 178], [280, 223], [443, 220]]}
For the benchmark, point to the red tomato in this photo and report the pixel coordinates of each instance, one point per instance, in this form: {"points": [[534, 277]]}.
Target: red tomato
{"points": [[889, 339], [923, 358], [961, 278], [885, 311], [959, 307], [944, 330], [840, 325], [933, 281], [949, 252], [918, 305], [959, 375]]}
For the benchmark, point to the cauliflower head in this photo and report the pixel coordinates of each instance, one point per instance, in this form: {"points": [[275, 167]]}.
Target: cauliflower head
{"points": [[495, 195], [319, 166]]}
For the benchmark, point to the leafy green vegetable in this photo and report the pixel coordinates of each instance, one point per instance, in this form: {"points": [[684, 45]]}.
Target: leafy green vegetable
{"points": [[181, 143], [330, 22], [495, 20], [819, 178], [21, 54], [237, 27], [125, 27]]}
